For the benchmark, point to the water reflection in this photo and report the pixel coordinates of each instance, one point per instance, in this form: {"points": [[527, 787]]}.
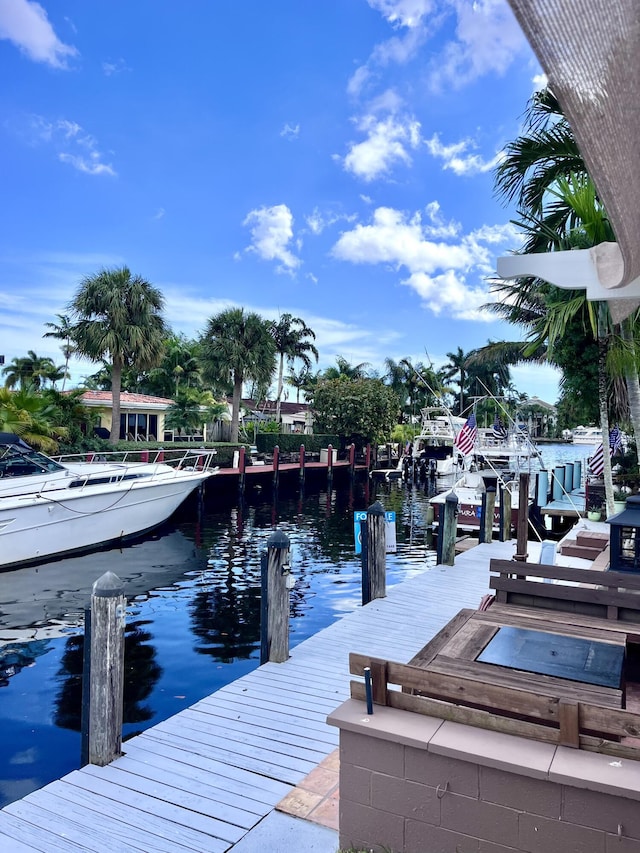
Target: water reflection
{"points": [[193, 592]]}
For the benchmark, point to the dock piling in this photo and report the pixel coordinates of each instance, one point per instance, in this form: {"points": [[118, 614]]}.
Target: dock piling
{"points": [[374, 562], [448, 530], [107, 669], [274, 605], [523, 518]]}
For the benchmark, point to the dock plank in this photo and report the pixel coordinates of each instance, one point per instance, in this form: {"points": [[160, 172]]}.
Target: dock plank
{"points": [[200, 780]]}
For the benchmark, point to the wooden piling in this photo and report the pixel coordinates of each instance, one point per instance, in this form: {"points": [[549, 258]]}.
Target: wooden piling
{"points": [[483, 515], [302, 464], [448, 530], [329, 465], [367, 457], [276, 466], [352, 460], [107, 669], [274, 628], [376, 551], [489, 513], [242, 466], [505, 514], [523, 518]]}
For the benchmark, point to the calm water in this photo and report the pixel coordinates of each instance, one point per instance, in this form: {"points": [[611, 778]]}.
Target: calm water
{"points": [[193, 614]]}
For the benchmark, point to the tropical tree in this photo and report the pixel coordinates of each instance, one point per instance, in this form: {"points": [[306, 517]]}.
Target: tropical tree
{"points": [[358, 410], [344, 369], [31, 416], [293, 340], [237, 347], [193, 408], [301, 381], [457, 367], [117, 317], [178, 369], [62, 331], [31, 370]]}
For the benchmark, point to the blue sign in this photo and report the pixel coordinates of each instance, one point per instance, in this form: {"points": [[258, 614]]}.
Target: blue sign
{"points": [[390, 519]]}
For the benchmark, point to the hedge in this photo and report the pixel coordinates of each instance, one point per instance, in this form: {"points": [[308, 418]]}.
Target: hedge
{"points": [[290, 442]]}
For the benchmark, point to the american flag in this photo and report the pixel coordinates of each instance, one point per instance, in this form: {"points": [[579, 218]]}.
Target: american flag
{"points": [[596, 464], [499, 430], [466, 438]]}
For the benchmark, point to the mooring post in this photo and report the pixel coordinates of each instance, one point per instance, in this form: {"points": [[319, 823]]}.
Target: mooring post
{"points": [[329, 465], [367, 457], [86, 691], [505, 514], [107, 669], [352, 460], [376, 551], [483, 515], [489, 513], [301, 464], [276, 466], [274, 610], [523, 518], [242, 467], [448, 530]]}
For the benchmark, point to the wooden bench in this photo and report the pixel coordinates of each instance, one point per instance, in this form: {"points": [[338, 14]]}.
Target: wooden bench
{"points": [[609, 595]]}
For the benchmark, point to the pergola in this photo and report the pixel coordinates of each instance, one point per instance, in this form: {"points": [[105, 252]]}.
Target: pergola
{"points": [[589, 52]]}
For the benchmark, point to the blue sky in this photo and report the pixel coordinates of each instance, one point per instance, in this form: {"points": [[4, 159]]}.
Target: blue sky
{"points": [[327, 158]]}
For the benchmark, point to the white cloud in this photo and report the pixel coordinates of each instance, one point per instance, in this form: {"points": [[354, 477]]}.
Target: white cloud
{"points": [[90, 165], [487, 39], [452, 155], [25, 23], [445, 267], [366, 198], [318, 221], [160, 213], [540, 81], [271, 233], [387, 143], [403, 13], [72, 144], [290, 131], [117, 67]]}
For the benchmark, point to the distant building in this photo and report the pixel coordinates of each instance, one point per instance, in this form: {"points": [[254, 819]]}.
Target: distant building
{"points": [[141, 415]]}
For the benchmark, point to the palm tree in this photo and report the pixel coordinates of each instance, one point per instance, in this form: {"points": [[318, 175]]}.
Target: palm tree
{"points": [[117, 316], [192, 408], [32, 416], [346, 370], [291, 338], [545, 162], [300, 380], [179, 367], [237, 347], [62, 331], [31, 370], [457, 366]]}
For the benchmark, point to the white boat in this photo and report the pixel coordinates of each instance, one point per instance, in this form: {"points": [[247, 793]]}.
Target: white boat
{"points": [[469, 490], [509, 448], [587, 435], [52, 506], [434, 448]]}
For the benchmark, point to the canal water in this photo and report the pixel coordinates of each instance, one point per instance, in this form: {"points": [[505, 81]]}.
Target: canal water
{"points": [[193, 590]]}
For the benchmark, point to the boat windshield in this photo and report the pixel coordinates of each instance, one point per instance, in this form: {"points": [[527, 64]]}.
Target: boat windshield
{"points": [[15, 462]]}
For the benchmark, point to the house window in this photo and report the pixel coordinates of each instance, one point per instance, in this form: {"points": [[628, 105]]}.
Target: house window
{"points": [[138, 426]]}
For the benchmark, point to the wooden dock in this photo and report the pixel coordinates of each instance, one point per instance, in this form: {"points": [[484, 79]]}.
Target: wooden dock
{"points": [[201, 780]]}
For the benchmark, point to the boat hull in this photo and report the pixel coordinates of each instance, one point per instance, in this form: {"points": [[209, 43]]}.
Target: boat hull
{"points": [[36, 527]]}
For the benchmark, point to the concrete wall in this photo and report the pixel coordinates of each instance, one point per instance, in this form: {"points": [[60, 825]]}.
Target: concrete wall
{"points": [[413, 784]]}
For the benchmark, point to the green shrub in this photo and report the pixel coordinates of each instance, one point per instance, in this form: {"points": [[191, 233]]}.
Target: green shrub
{"points": [[290, 442]]}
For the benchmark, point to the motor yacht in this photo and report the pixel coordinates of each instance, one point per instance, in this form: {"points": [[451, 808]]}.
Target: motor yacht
{"points": [[55, 505]]}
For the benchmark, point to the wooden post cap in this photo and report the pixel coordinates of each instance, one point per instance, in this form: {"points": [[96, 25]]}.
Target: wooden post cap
{"points": [[451, 498], [278, 539], [376, 509], [108, 586]]}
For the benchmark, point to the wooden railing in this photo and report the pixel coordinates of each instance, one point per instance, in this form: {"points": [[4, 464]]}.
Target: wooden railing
{"points": [[611, 595], [472, 701]]}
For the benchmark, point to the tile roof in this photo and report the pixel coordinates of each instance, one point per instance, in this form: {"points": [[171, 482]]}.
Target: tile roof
{"points": [[126, 398]]}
